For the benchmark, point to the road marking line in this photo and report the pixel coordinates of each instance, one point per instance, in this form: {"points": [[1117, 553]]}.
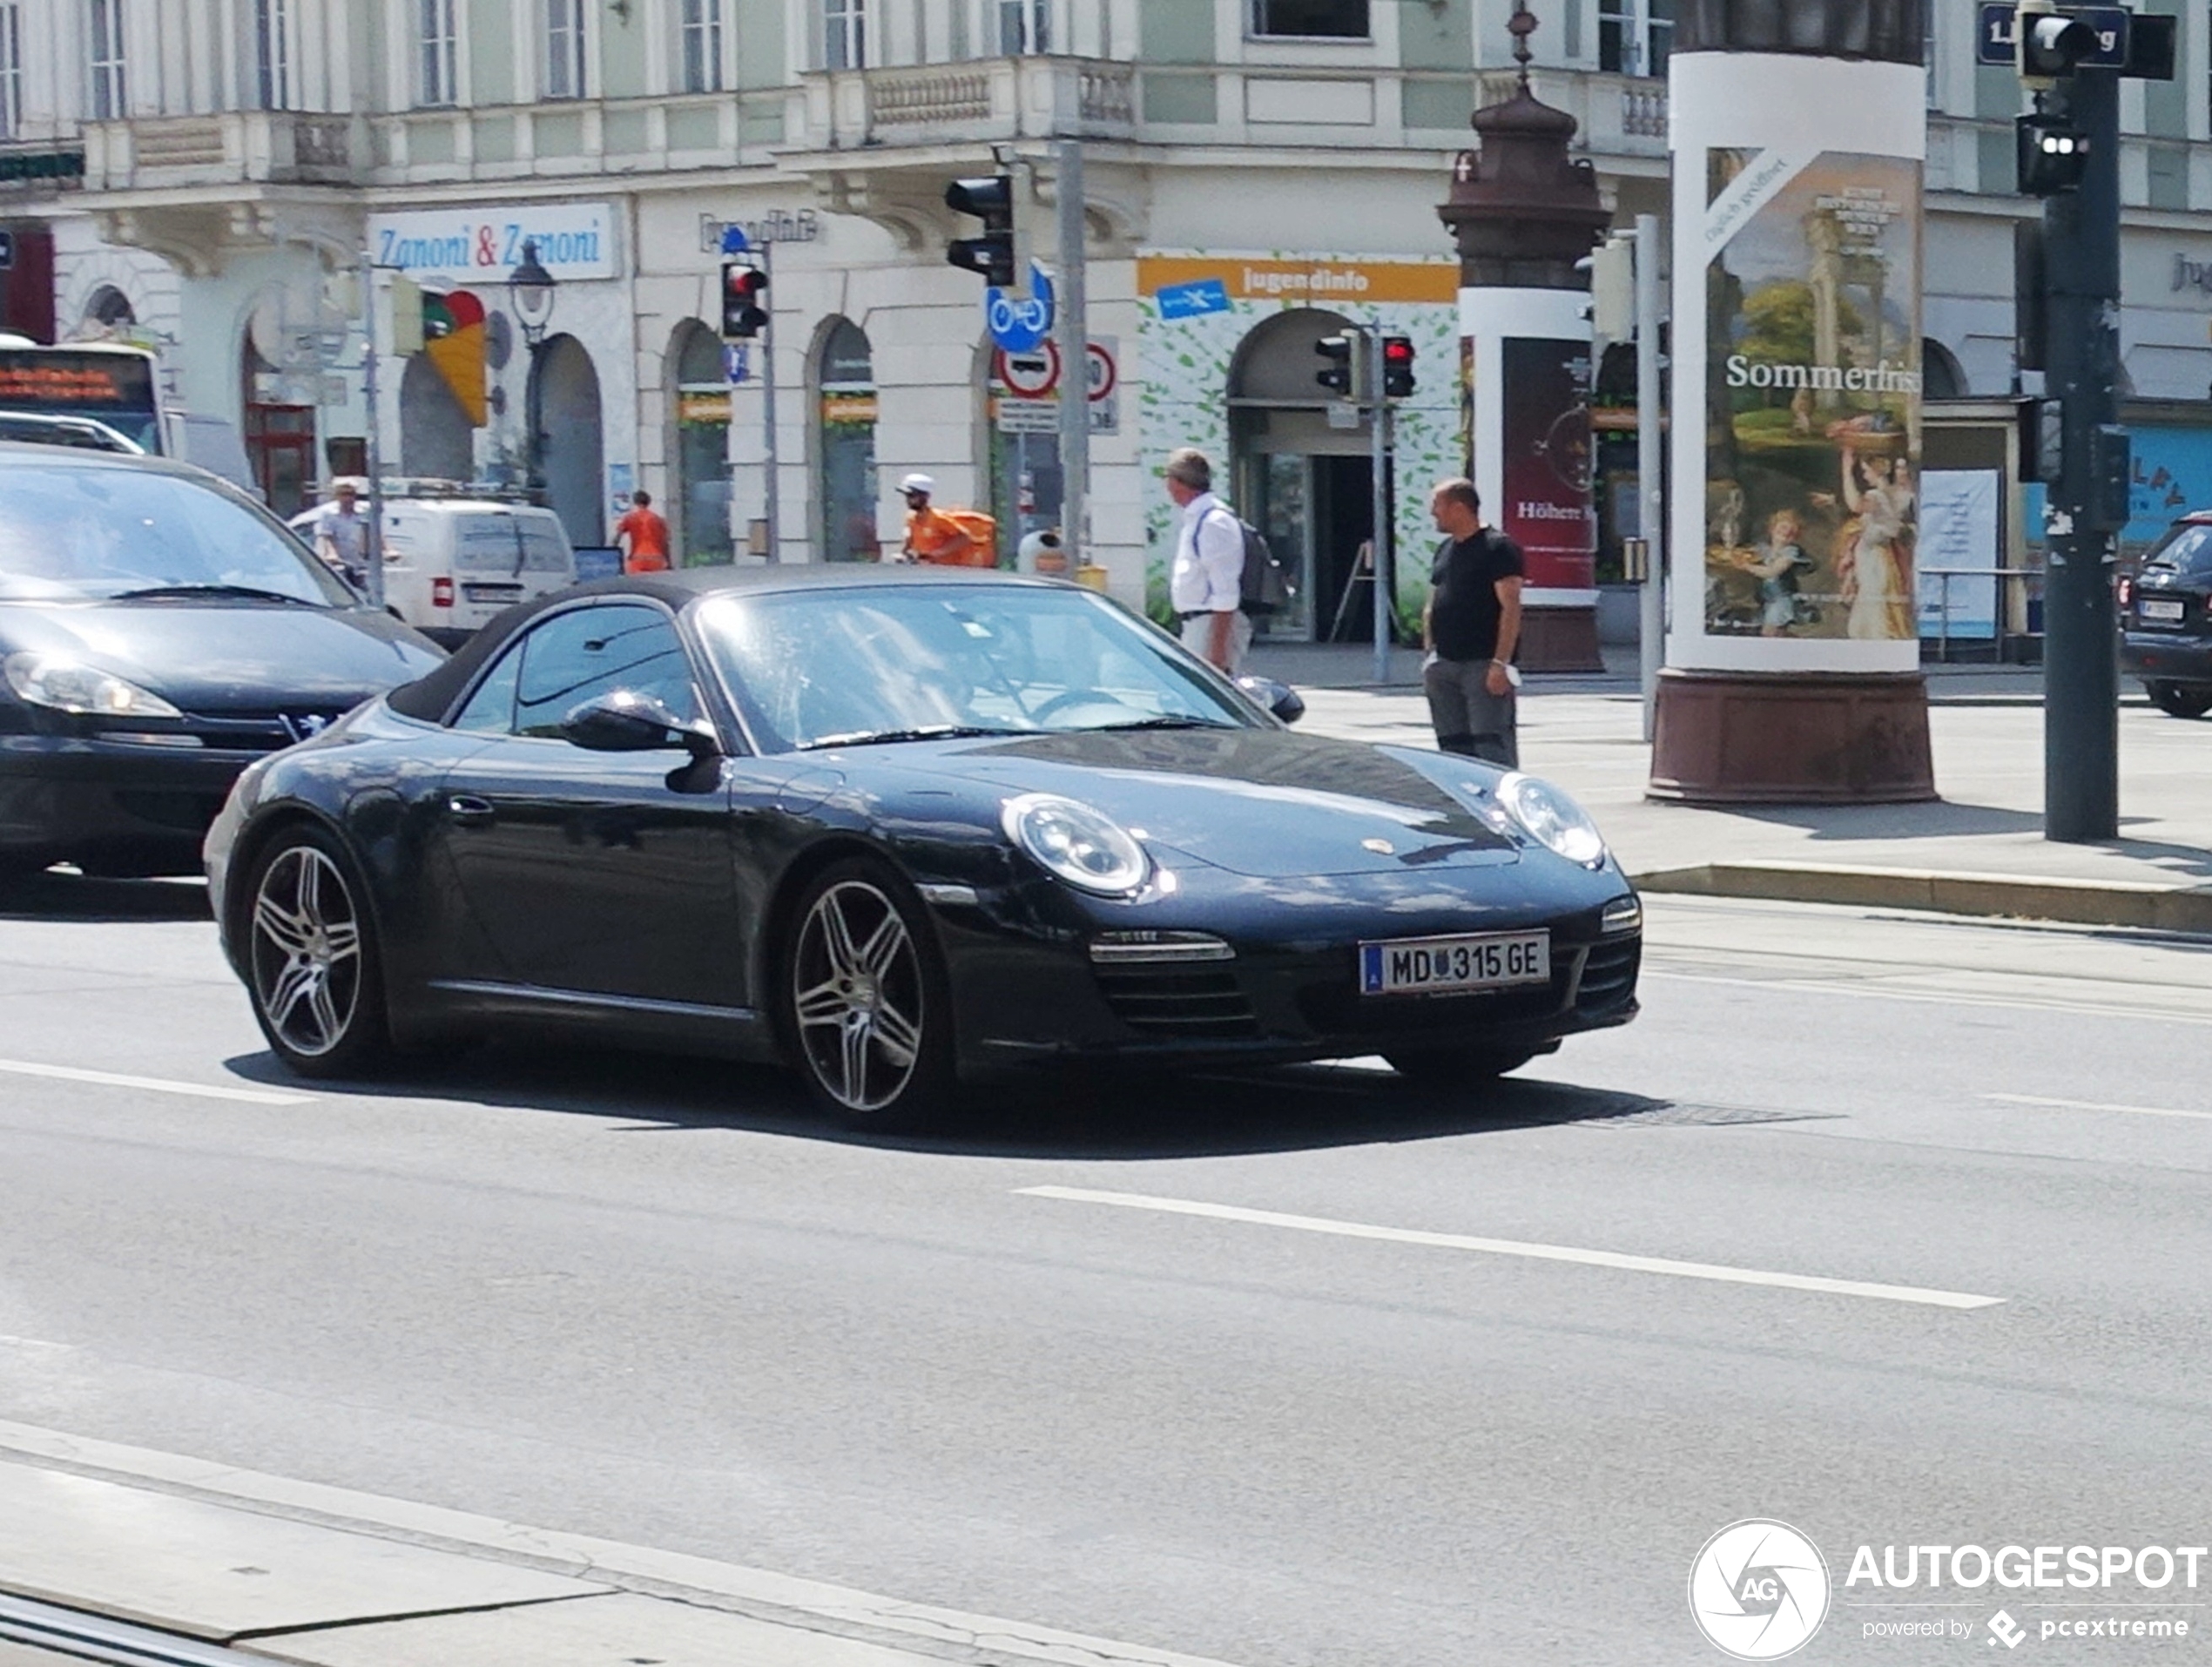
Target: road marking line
{"points": [[1513, 1247], [155, 1084], [2097, 1105], [1931, 998]]}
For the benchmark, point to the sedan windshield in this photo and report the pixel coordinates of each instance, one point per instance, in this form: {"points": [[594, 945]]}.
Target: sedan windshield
{"points": [[923, 662], [93, 533]]}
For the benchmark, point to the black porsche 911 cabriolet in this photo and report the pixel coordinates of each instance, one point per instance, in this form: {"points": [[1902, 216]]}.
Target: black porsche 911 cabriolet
{"points": [[899, 827]]}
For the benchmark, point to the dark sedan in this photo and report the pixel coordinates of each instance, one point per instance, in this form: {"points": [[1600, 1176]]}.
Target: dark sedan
{"points": [[159, 633], [899, 827], [2166, 620]]}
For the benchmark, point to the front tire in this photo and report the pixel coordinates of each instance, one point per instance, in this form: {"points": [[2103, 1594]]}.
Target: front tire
{"points": [[1456, 1067], [312, 962], [2179, 700], [868, 1008]]}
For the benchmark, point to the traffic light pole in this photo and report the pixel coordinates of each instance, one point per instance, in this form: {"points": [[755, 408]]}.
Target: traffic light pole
{"points": [[1073, 325], [372, 545], [2081, 666], [768, 505], [1651, 514], [1379, 544]]}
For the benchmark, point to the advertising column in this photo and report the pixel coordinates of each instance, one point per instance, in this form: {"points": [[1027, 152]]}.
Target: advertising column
{"points": [[1793, 648]]}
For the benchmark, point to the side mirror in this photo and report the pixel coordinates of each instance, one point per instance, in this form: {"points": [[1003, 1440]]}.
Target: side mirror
{"points": [[1279, 697], [626, 721]]}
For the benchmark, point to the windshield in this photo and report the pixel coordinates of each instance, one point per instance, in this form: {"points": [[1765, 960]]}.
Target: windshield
{"points": [[2186, 548], [840, 667], [91, 532]]}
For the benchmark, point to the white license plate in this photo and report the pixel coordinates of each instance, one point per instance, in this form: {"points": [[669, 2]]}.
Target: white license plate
{"points": [[1477, 960], [2160, 608]]}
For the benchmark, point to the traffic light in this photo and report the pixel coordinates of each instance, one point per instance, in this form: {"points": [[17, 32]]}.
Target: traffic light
{"points": [[1397, 368], [991, 200], [744, 286], [1346, 376], [2053, 154], [2049, 46]]}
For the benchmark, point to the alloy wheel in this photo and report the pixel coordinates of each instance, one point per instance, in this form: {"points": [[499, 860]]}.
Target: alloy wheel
{"points": [[307, 951], [857, 996]]}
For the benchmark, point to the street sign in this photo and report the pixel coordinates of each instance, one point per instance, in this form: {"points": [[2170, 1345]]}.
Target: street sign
{"points": [[1032, 375], [1994, 37], [737, 362], [1194, 299], [1016, 325]]}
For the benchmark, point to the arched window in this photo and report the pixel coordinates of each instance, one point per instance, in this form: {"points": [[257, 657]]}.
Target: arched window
{"points": [[845, 416], [1942, 377], [699, 446]]}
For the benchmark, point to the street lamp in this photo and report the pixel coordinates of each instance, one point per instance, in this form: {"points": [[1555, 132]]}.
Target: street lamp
{"points": [[530, 292]]}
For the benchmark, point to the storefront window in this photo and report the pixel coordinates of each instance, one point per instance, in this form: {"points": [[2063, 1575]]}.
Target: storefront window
{"points": [[846, 415]]}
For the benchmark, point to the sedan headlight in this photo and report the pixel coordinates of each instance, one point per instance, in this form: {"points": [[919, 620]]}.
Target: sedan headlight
{"points": [[1085, 847], [1554, 820], [65, 685]]}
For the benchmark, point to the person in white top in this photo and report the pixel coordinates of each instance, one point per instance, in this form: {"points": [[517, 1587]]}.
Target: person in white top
{"points": [[1206, 585]]}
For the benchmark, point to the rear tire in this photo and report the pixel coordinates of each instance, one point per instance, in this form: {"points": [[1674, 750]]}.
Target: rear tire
{"points": [[312, 961], [1456, 1067], [2179, 700], [866, 1007]]}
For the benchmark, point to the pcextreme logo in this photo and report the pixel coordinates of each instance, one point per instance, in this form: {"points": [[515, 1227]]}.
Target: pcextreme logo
{"points": [[1759, 1590]]}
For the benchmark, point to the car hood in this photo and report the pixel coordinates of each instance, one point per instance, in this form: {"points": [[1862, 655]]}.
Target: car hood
{"points": [[230, 657], [1260, 802]]}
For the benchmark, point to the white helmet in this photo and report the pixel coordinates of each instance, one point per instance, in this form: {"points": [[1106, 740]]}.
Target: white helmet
{"points": [[917, 483]]}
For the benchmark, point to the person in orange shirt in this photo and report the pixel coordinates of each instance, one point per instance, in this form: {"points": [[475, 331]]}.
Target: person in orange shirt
{"points": [[644, 537], [933, 535]]}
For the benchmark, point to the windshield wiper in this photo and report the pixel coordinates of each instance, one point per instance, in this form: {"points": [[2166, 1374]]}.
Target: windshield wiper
{"points": [[1167, 722], [926, 733], [153, 592]]}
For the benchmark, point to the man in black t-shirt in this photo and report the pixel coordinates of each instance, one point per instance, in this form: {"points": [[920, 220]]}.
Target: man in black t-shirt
{"points": [[1471, 627]]}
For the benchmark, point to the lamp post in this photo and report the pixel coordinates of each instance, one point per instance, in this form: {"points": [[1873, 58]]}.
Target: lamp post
{"points": [[530, 292]]}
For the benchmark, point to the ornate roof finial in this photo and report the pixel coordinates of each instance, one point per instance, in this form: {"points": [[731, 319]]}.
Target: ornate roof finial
{"points": [[1522, 24]]}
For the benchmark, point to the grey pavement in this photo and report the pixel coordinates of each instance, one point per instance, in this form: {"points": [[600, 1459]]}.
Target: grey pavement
{"points": [[1978, 849]]}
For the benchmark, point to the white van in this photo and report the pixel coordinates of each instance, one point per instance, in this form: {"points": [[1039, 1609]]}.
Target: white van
{"points": [[451, 563]]}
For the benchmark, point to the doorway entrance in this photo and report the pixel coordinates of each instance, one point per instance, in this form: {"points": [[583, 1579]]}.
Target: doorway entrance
{"points": [[1304, 483]]}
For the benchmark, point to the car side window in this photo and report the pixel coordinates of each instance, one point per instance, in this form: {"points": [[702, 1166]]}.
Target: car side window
{"points": [[588, 652], [490, 710]]}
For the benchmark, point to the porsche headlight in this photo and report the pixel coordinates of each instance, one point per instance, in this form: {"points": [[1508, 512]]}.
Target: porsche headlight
{"points": [[1555, 821], [1085, 847], [63, 685]]}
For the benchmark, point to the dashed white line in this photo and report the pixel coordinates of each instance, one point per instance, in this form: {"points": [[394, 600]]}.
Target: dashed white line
{"points": [[1513, 1247], [2049, 1103], [154, 1085]]}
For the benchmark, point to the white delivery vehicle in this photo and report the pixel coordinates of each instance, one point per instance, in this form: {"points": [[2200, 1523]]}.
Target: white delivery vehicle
{"points": [[451, 563]]}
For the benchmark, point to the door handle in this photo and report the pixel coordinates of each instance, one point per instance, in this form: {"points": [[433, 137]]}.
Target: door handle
{"points": [[469, 811]]}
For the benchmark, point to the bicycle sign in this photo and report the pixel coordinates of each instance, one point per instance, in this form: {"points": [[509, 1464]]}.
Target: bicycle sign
{"points": [[1017, 325]]}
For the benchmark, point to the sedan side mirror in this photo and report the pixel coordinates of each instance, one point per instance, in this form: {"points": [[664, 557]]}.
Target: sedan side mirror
{"points": [[1279, 697], [626, 721]]}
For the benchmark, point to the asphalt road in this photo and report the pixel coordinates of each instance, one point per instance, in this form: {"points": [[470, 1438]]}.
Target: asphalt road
{"points": [[655, 1301]]}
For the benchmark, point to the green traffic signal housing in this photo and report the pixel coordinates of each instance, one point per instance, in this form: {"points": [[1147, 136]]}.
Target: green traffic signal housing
{"points": [[989, 199]]}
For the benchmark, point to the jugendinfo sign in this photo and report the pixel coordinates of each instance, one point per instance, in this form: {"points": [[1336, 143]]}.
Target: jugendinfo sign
{"points": [[481, 245]]}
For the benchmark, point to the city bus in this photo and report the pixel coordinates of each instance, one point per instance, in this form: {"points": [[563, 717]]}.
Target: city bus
{"points": [[115, 384]]}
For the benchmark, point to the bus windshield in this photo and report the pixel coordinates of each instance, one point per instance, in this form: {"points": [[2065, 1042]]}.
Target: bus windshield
{"points": [[113, 384]]}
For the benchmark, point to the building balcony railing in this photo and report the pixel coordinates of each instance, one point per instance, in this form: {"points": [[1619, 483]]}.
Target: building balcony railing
{"points": [[1619, 115], [987, 99], [242, 147]]}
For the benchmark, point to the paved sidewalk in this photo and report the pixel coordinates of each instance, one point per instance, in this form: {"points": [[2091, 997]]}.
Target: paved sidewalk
{"points": [[227, 1566], [1980, 849]]}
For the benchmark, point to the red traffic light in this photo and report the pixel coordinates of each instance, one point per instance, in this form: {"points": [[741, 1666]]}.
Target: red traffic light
{"points": [[1397, 366], [743, 288]]}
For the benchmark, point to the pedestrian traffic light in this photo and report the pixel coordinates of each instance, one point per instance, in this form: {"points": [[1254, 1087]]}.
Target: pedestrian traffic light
{"points": [[991, 200], [1347, 375], [744, 286], [1397, 368], [2053, 154], [2049, 46]]}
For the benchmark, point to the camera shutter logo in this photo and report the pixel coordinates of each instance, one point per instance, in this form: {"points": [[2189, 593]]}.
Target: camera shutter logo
{"points": [[1759, 1590]]}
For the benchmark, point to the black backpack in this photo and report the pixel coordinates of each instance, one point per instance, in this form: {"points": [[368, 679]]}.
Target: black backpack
{"points": [[1266, 586]]}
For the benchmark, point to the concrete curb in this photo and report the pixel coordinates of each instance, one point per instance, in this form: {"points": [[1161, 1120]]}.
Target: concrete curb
{"points": [[2076, 902]]}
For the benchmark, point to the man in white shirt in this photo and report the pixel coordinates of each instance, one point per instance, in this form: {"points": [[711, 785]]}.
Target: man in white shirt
{"points": [[1206, 585], [341, 532]]}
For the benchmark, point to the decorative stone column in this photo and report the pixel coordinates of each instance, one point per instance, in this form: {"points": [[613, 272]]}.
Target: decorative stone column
{"points": [[1793, 654], [1522, 213]]}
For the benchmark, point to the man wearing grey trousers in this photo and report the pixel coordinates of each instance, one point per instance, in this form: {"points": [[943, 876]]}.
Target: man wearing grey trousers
{"points": [[1471, 627]]}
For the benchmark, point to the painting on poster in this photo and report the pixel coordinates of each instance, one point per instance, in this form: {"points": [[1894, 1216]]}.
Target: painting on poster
{"points": [[1547, 460], [1813, 396]]}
